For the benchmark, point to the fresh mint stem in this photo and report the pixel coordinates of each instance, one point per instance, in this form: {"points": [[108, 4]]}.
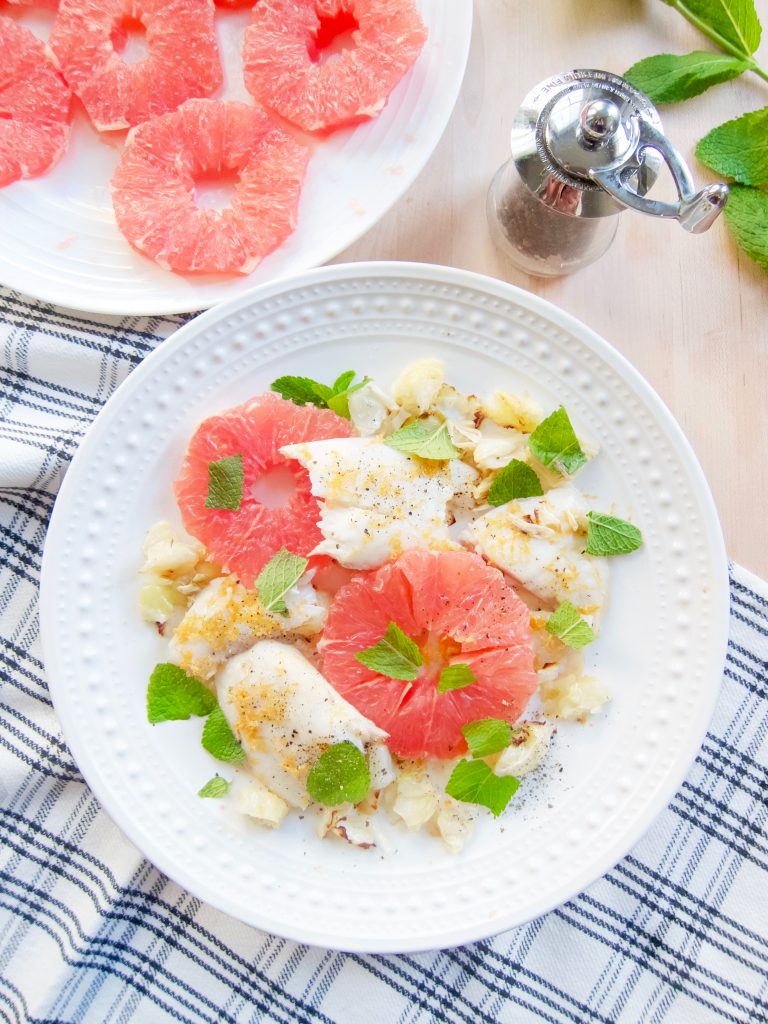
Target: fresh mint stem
{"points": [[714, 35]]}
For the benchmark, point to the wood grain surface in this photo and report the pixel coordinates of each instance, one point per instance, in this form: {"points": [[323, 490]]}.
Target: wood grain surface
{"points": [[690, 312]]}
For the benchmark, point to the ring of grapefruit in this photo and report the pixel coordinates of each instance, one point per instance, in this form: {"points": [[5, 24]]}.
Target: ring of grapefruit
{"points": [[154, 186], [182, 60], [285, 43], [243, 541], [459, 610], [34, 105]]}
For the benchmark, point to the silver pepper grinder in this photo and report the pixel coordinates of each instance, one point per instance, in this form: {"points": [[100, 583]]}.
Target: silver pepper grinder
{"points": [[586, 145]]}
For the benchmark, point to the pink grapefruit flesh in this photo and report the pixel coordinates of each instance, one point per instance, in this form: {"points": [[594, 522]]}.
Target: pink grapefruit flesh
{"points": [[34, 105], [459, 610], [182, 61], [153, 189], [243, 541], [285, 69]]}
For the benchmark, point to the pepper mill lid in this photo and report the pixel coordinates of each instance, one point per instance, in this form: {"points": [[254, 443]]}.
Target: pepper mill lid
{"points": [[595, 133]]}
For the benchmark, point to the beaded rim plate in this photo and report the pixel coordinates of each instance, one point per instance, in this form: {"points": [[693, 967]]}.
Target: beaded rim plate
{"points": [[660, 653], [62, 245]]}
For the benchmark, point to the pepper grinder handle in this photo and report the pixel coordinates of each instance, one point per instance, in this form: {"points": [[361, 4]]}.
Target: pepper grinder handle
{"points": [[696, 211]]}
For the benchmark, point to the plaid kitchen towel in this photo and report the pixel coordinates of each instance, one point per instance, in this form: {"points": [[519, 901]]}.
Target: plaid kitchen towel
{"points": [[89, 931]]}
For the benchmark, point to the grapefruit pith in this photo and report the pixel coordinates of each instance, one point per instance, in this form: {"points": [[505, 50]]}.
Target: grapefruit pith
{"points": [[283, 51], [243, 541], [153, 189], [34, 105], [459, 610], [182, 60]]}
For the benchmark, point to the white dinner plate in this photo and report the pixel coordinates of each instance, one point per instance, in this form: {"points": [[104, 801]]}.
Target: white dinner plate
{"points": [[660, 653], [61, 243]]}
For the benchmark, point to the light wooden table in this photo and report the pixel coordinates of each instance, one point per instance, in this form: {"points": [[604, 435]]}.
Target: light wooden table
{"points": [[691, 312]]}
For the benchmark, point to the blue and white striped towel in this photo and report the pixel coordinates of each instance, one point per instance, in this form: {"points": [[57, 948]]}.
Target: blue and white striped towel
{"points": [[89, 931]]}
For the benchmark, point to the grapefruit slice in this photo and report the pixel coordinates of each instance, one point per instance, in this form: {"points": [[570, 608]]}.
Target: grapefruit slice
{"points": [[182, 61], [154, 186], [34, 105], [283, 57], [459, 610], [243, 541]]}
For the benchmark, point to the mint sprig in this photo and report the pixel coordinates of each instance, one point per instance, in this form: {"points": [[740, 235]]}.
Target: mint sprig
{"points": [[516, 480], [340, 775], [608, 535], [554, 443], [281, 572], [173, 695], [219, 740], [455, 677], [475, 783], [567, 625], [225, 483], [737, 148], [305, 391], [487, 736], [395, 655], [429, 439], [215, 788]]}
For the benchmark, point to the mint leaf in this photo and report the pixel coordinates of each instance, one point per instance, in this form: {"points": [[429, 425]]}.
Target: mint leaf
{"points": [[746, 213], [281, 572], [322, 394], [225, 483], [215, 787], [426, 438], [516, 480], [473, 782], [487, 736], [343, 381], [455, 677], [299, 390], [567, 625], [607, 535], [554, 443], [735, 22], [219, 740], [739, 149], [174, 696], [395, 655], [668, 78], [340, 404], [340, 775]]}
